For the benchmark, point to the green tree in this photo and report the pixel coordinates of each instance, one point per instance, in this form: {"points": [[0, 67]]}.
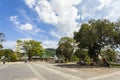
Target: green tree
{"points": [[1, 46], [96, 34], [110, 55], [9, 55], [82, 55], [1, 53], [31, 48], [117, 29], [66, 48]]}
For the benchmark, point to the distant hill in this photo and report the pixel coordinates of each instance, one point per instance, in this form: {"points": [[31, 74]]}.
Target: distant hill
{"points": [[50, 52], [51, 49]]}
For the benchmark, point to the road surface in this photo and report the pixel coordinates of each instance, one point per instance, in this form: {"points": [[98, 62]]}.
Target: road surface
{"points": [[45, 71]]}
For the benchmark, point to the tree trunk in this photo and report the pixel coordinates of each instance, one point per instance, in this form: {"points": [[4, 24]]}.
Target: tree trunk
{"points": [[94, 51], [29, 58]]}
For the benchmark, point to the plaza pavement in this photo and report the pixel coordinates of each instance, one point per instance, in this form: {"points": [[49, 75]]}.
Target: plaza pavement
{"points": [[47, 71]]}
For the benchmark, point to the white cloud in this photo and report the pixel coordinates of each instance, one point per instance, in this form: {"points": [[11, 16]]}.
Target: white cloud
{"points": [[99, 9], [9, 44], [49, 44], [14, 20], [55, 34], [60, 13], [113, 10], [26, 39], [26, 26], [30, 3], [103, 3], [12, 44]]}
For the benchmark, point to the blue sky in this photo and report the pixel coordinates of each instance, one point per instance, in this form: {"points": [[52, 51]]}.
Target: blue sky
{"points": [[49, 20]]}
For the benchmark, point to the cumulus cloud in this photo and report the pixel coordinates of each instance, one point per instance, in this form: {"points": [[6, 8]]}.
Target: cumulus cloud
{"points": [[103, 3], [108, 9], [30, 3], [60, 13], [26, 28], [14, 20]]}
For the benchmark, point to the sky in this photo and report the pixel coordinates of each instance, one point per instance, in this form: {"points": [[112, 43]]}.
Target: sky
{"points": [[49, 20]]}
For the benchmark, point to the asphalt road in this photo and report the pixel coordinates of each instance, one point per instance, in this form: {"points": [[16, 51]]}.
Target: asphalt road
{"points": [[45, 71], [32, 71]]}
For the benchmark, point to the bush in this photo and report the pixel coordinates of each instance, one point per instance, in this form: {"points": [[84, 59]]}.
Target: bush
{"points": [[82, 55], [75, 58], [13, 58], [110, 55], [87, 59]]}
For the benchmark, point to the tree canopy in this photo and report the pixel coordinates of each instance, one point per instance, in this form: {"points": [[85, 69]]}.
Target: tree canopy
{"points": [[1, 46], [96, 34], [8, 55], [31, 48], [66, 48], [109, 54]]}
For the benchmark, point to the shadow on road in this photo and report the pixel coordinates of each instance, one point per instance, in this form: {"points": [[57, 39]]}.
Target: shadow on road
{"points": [[73, 66]]}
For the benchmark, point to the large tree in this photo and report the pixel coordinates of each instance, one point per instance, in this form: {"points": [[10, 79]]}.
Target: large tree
{"points": [[117, 29], [96, 34], [66, 48], [31, 48], [9, 55]]}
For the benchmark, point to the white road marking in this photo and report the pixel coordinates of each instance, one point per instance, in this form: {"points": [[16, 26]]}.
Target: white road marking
{"points": [[104, 76], [65, 75], [37, 74]]}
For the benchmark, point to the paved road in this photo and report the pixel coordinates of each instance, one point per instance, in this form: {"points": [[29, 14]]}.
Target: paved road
{"points": [[44, 71], [32, 71]]}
